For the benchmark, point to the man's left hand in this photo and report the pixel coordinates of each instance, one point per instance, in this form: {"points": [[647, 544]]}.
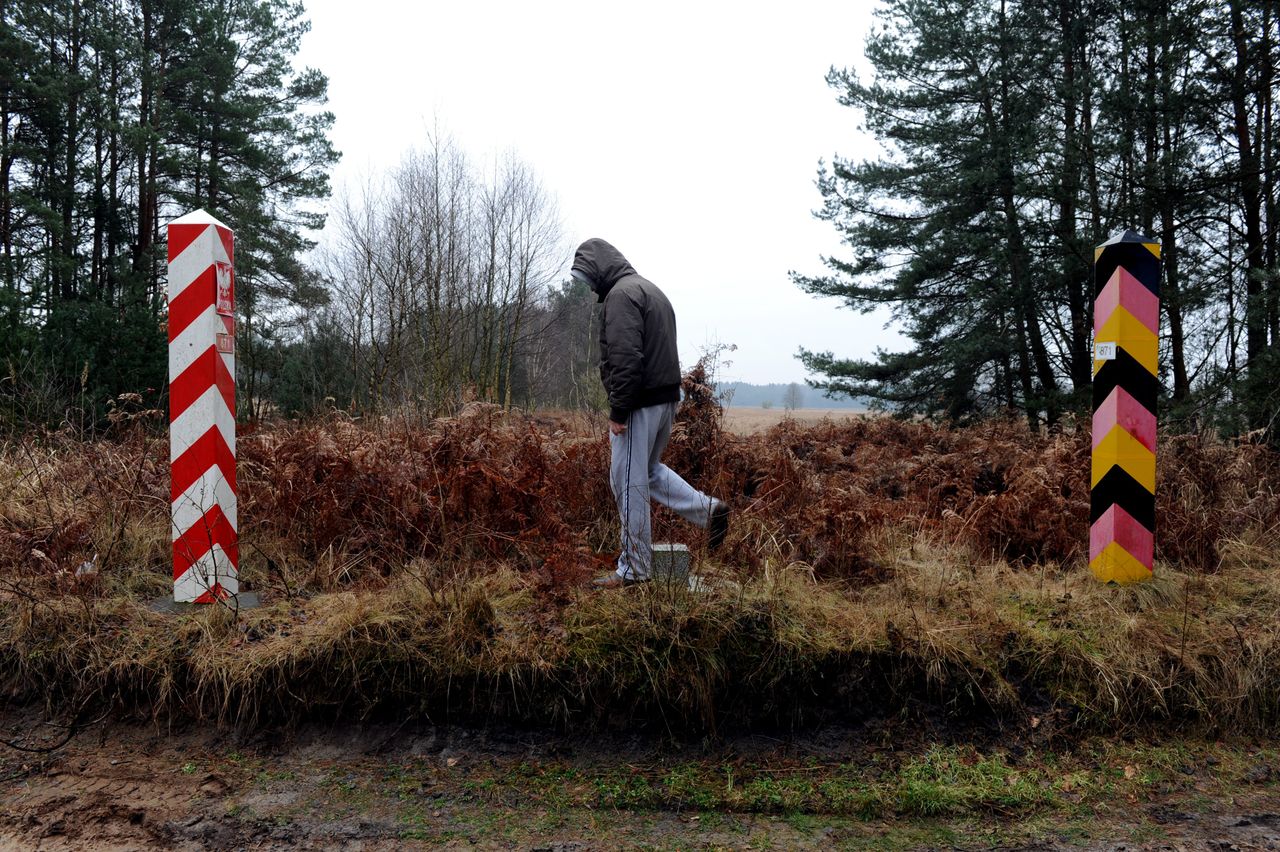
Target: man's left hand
{"points": [[617, 428]]}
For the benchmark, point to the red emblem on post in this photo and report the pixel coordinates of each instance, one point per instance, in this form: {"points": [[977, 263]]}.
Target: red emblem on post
{"points": [[226, 291]]}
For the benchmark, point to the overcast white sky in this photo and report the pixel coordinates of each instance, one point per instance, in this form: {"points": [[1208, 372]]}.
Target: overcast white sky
{"points": [[688, 134]]}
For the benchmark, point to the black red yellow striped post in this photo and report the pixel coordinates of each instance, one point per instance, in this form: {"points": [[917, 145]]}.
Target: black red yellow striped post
{"points": [[1126, 335]]}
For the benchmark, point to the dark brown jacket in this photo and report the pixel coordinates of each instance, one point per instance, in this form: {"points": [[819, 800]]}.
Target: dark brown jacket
{"points": [[639, 364]]}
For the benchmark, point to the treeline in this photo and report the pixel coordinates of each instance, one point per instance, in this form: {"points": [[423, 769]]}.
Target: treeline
{"points": [[782, 395], [116, 116], [1016, 136], [434, 287]]}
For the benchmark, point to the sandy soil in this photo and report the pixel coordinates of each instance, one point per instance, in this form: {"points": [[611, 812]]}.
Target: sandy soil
{"points": [[748, 419], [418, 786]]}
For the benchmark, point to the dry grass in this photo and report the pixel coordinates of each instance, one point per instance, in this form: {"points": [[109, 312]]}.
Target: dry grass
{"points": [[779, 647], [753, 419], [874, 566]]}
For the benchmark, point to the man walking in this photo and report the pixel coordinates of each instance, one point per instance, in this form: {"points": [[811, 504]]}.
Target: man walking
{"points": [[641, 373]]}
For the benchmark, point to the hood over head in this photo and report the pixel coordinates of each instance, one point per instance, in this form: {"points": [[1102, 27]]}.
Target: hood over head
{"points": [[601, 265]]}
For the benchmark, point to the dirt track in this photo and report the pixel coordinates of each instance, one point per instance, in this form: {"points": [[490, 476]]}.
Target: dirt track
{"points": [[125, 787]]}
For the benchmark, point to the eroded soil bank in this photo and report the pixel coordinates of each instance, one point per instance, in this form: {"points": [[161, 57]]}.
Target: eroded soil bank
{"points": [[886, 785]]}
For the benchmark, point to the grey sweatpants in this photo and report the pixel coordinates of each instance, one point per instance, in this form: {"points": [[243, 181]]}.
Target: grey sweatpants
{"points": [[637, 474]]}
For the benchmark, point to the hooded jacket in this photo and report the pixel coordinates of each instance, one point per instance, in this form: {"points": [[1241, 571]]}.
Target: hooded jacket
{"points": [[639, 364]]}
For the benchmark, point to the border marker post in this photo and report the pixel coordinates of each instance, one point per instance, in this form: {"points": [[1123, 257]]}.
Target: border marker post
{"points": [[1126, 384], [202, 405]]}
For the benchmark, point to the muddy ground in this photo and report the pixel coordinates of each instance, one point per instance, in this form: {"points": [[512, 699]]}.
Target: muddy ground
{"points": [[126, 786]]}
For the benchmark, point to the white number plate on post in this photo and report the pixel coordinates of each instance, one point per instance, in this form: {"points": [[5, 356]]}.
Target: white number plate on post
{"points": [[1104, 351]]}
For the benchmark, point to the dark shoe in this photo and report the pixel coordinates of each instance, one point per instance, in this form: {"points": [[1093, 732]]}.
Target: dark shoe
{"points": [[718, 527], [613, 581]]}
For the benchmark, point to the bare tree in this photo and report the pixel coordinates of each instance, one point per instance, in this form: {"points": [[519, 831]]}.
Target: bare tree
{"points": [[435, 274], [793, 398]]}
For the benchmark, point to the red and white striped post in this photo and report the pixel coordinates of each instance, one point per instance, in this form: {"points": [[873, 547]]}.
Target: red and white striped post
{"points": [[202, 408]]}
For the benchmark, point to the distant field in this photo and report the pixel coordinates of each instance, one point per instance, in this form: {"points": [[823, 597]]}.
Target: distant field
{"points": [[747, 419]]}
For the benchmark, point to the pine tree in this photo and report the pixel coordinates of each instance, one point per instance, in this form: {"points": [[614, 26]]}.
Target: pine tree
{"points": [[937, 223], [118, 115], [1018, 135]]}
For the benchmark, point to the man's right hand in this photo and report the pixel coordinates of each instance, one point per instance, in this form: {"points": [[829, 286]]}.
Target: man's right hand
{"points": [[617, 428]]}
